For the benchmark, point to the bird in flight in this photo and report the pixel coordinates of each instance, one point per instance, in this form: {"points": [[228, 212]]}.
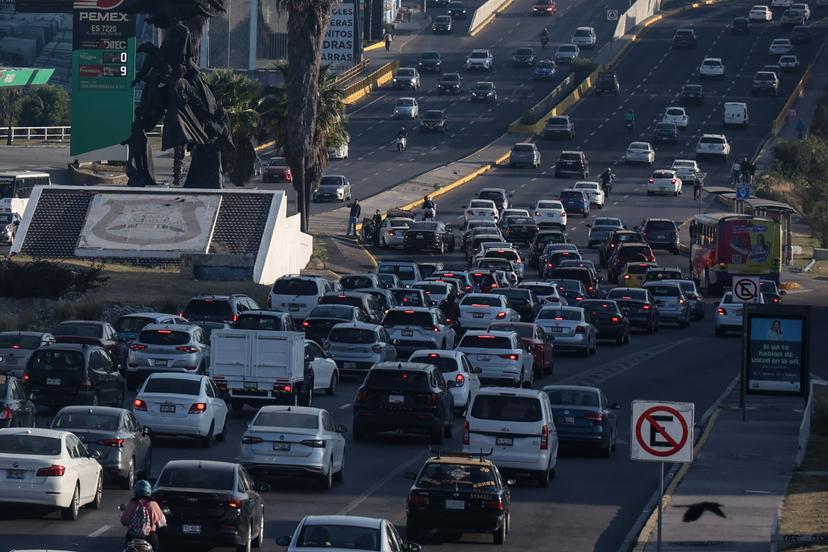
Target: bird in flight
{"points": [[695, 511]]}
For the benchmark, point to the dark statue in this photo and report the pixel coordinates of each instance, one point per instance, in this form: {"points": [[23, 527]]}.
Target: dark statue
{"points": [[175, 92]]}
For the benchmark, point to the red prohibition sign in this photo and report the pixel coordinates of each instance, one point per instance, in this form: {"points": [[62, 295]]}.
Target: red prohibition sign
{"points": [[646, 416]]}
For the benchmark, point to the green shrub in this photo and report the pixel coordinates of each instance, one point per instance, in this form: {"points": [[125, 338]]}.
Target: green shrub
{"points": [[805, 164], [169, 306], [89, 310], [45, 279]]}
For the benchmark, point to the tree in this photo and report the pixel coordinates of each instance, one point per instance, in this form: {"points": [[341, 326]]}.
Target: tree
{"points": [[46, 105], [239, 96], [307, 22], [9, 110]]}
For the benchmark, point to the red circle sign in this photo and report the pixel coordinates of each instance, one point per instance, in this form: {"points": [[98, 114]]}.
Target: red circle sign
{"points": [[676, 446]]}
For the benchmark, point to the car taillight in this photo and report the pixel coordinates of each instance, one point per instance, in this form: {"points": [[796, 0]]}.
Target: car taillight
{"points": [[433, 400], [305, 324], [596, 417], [435, 329], [86, 383], [187, 349], [198, 408], [233, 504], [646, 307], [580, 329], [673, 181], [137, 347], [493, 504], [115, 443], [493, 286], [721, 311], [251, 440], [235, 318], [376, 348], [626, 276], [681, 301], [544, 444], [510, 356], [466, 432], [417, 499], [615, 320], [25, 378], [284, 388], [501, 315], [138, 404], [392, 232], [468, 288], [537, 213], [360, 396], [54, 470], [459, 380], [6, 414], [650, 181], [776, 299], [314, 443]]}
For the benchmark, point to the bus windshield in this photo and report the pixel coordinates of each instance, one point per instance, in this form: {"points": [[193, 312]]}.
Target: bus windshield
{"points": [[20, 184]]}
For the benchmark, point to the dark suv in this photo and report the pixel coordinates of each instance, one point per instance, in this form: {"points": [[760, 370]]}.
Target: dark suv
{"points": [[684, 38], [765, 82], [801, 34], [450, 83], [218, 308], [63, 374], [404, 396], [661, 234], [692, 94], [665, 133], [92, 332], [434, 120], [572, 162], [607, 83], [430, 62], [740, 25]]}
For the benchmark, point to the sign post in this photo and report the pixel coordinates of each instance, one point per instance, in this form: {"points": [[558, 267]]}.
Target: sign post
{"points": [[662, 432]]}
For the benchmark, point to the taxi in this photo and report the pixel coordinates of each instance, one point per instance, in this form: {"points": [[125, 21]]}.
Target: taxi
{"points": [[633, 274]]}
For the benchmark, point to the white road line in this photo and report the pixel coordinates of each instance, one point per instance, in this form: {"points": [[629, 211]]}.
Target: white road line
{"points": [[99, 531], [344, 406], [355, 503], [626, 196]]}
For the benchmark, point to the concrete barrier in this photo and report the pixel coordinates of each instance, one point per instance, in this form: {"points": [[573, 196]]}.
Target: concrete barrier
{"points": [[372, 81], [484, 15], [517, 127]]}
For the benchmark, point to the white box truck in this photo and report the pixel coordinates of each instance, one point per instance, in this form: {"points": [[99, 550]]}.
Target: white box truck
{"points": [[259, 367]]}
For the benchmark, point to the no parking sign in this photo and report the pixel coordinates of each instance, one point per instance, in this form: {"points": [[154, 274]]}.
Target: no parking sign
{"points": [[662, 431]]}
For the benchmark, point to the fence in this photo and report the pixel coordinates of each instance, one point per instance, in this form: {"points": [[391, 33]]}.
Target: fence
{"points": [[51, 133]]}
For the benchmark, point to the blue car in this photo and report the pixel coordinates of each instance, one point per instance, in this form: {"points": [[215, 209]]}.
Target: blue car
{"points": [[583, 416], [575, 201], [545, 70]]}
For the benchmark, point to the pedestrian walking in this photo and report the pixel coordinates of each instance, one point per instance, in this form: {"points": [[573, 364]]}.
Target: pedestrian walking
{"points": [[353, 217], [745, 168], [735, 173], [752, 171], [791, 115], [800, 128], [388, 39]]}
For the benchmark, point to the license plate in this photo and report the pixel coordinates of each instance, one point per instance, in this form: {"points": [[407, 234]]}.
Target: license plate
{"points": [[191, 529], [160, 362], [557, 330], [15, 474], [396, 399], [477, 315], [52, 381], [167, 408], [281, 446], [349, 364], [408, 332], [504, 441], [293, 307], [455, 504], [483, 357]]}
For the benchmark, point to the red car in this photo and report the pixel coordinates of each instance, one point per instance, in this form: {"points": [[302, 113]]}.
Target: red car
{"points": [[628, 253], [544, 7], [534, 339], [276, 169]]}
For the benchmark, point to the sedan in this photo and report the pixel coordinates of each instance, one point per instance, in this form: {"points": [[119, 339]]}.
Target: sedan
{"points": [[17, 347], [434, 120], [569, 328], [666, 133], [664, 181], [478, 310], [546, 69], [791, 17], [692, 94], [729, 314], [484, 91], [566, 53], [789, 63], [601, 228], [450, 83], [524, 57], [276, 169], [593, 191], [123, 444], [332, 187], [356, 533], [584, 37], [608, 319], [535, 340], [425, 236], [392, 231], [550, 212], [640, 152], [182, 404], [638, 305], [525, 154], [294, 440], [45, 467], [712, 68], [406, 108], [325, 372], [676, 115], [780, 46], [15, 409], [480, 209], [461, 377], [760, 13], [584, 417]]}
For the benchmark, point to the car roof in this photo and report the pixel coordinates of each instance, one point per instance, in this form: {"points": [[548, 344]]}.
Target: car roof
{"points": [[110, 410], [290, 408], [357, 325], [509, 391], [90, 322], [264, 312], [403, 365], [494, 333], [356, 521], [146, 315], [176, 375], [25, 333], [34, 431], [80, 347], [572, 387], [444, 353], [199, 464], [171, 327], [459, 458]]}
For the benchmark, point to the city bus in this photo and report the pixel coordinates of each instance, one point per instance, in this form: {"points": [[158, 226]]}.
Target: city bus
{"points": [[16, 188], [725, 244]]}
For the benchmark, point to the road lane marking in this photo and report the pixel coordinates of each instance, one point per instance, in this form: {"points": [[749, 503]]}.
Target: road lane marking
{"points": [[98, 532], [344, 406], [356, 502]]}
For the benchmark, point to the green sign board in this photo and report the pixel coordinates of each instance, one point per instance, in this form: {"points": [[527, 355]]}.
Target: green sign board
{"points": [[23, 76], [103, 66]]}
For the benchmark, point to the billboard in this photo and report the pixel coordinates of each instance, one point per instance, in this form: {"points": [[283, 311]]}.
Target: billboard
{"points": [[24, 76], [341, 46], [750, 246], [777, 350], [103, 66]]}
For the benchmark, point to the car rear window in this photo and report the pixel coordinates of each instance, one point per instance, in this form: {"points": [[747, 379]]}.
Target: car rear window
{"points": [[630, 252], [75, 329], [19, 341], [294, 286], [29, 444], [87, 420], [404, 272], [637, 269], [341, 312], [54, 359], [628, 294], [570, 157], [663, 275], [341, 300], [557, 121], [353, 335], [409, 297], [486, 342], [550, 205], [286, 419], [356, 282], [132, 323], [437, 289], [164, 337], [571, 194], [198, 478], [207, 308], [711, 140], [259, 322], [481, 279], [506, 408], [173, 386], [573, 397], [397, 379], [480, 300], [439, 475], [559, 314], [664, 291], [497, 264], [598, 306], [445, 364], [522, 330], [661, 224], [408, 318], [340, 537], [525, 148]]}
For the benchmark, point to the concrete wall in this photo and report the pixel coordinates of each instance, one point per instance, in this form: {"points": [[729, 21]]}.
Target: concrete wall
{"points": [[484, 13], [638, 12], [287, 251]]}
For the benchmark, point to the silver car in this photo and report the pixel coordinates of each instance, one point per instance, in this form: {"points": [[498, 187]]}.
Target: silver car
{"points": [[525, 154], [17, 347], [168, 348], [672, 304], [333, 187], [124, 446], [569, 328], [356, 346], [693, 295]]}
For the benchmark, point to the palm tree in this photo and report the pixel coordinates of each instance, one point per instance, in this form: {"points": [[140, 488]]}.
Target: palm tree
{"points": [[239, 96], [307, 22]]}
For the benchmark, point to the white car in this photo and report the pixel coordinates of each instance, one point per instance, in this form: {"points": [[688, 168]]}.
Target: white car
{"points": [[499, 356], [729, 314], [712, 67], [584, 37], [507, 252], [802, 7], [788, 63], [325, 372], [664, 181], [478, 310], [438, 291], [46, 467], [461, 377], [640, 152], [392, 231], [761, 13], [338, 533], [480, 59], [480, 209], [298, 294], [338, 152], [546, 292], [686, 169], [414, 328], [566, 53], [569, 328], [287, 440], [676, 115], [406, 108], [593, 190], [550, 212], [406, 77], [714, 145], [780, 46], [181, 404]]}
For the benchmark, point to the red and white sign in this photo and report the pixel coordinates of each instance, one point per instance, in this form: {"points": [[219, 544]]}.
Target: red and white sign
{"points": [[746, 289], [662, 431]]}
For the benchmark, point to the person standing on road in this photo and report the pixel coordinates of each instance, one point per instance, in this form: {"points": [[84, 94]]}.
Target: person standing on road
{"points": [[388, 39], [752, 171], [353, 217]]}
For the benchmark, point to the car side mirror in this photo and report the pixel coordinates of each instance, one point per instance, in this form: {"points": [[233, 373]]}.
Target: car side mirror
{"points": [[511, 482], [146, 431], [309, 357], [588, 225], [262, 487], [412, 547], [283, 541], [341, 429], [477, 370], [410, 475], [95, 454], [462, 206], [615, 406]]}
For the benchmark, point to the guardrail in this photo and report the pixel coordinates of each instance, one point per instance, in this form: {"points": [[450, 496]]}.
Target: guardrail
{"points": [[363, 87], [351, 72], [50, 133]]}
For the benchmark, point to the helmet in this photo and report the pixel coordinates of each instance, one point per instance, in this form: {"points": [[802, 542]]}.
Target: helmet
{"points": [[139, 545], [142, 489]]}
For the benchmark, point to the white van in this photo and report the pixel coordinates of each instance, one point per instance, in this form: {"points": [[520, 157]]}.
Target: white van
{"points": [[735, 114], [517, 426]]}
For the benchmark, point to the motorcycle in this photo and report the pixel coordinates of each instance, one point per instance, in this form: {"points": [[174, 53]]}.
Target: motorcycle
{"points": [[429, 213], [606, 183], [369, 230], [402, 142], [544, 41]]}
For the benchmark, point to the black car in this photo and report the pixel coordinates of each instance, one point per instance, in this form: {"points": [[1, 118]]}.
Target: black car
{"points": [[64, 374], [550, 260], [801, 34], [740, 25], [93, 332], [692, 94], [482, 496], [666, 133], [607, 248], [523, 301], [661, 234], [434, 120], [524, 57], [404, 396], [450, 83], [538, 245], [430, 62], [639, 307], [572, 162], [684, 38], [210, 503], [428, 236], [218, 308], [442, 24], [371, 311], [15, 409], [322, 318], [584, 275], [608, 319], [457, 10], [519, 229], [607, 83], [484, 91]]}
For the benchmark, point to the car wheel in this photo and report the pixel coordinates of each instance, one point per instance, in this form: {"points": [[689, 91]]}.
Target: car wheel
{"points": [[207, 440], [128, 481], [619, 340], [258, 542], [331, 390], [221, 436], [326, 482], [340, 475], [500, 535], [542, 478], [71, 512], [248, 541]]}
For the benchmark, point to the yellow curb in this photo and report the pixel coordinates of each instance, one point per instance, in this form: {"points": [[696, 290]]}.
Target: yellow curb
{"points": [[371, 82], [373, 47], [489, 19], [370, 256], [790, 285]]}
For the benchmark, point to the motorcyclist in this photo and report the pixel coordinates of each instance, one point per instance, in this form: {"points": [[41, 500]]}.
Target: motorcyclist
{"points": [[629, 117], [451, 309], [146, 528], [606, 180], [429, 208], [402, 137], [544, 37]]}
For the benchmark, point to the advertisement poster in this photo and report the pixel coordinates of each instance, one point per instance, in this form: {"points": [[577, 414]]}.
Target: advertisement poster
{"points": [[776, 355], [751, 247], [341, 45]]}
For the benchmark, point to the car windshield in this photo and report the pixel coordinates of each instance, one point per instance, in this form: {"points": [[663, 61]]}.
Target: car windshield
{"points": [[430, 55], [173, 386], [22, 443], [259, 322], [422, 319], [79, 329], [546, 64], [55, 359], [450, 77], [506, 408], [406, 102], [164, 337], [559, 314], [192, 477], [471, 477], [358, 336], [478, 55], [405, 72], [340, 537], [19, 341], [87, 420], [524, 52], [443, 19], [567, 49], [573, 397], [278, 418]]}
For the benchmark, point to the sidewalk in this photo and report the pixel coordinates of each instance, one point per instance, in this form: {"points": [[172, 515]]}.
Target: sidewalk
{"points": [[744, 466]]}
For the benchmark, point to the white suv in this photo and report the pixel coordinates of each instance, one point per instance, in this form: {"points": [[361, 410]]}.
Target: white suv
{"points": [[414, 328], [297, 295], [499, 356], [480, 59], [517, 426], [715, 145], [712, 67], [478, 310], [461, 377]]}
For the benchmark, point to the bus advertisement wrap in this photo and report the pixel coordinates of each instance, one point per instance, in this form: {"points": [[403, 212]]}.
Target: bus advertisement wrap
{"points": [[749, 246]]}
